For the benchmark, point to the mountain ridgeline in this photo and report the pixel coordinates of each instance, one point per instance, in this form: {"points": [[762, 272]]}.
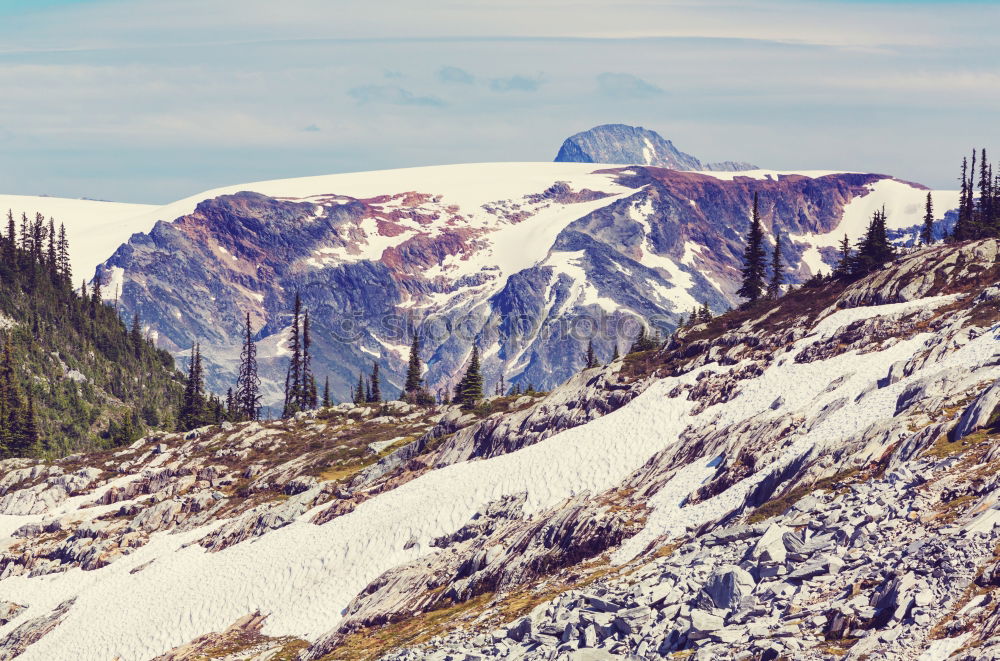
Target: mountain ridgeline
{"points": [[73, 376], [531, 263]]}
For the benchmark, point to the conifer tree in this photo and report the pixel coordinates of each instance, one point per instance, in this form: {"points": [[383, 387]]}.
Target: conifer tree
{"points": [[590, 358], [414, 369], [777, 270], [135, 335], [615, 356], [753, 258], [704, 313], [470, 389], [62, 259], [843, 268], [247, 398], [192, 412], [294, 387], [326, 393], [375, 389], [874, 248], [359, 391], [309, 394], [927, 230], [10, 248]]}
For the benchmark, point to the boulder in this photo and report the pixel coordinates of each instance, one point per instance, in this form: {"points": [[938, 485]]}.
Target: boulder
{"points": [[729, 587]]}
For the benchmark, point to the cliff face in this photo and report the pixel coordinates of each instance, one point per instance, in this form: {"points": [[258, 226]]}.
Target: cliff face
{"points": [[814, 478], [634, 145], [566, 257]]}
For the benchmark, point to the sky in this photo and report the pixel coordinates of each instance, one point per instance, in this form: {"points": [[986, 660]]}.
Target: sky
{"points": [[151, 101]]}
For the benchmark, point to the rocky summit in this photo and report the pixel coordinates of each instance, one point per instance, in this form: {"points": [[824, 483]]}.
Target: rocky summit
{"points": [[634, 145], [529, 262], [812, 478]]}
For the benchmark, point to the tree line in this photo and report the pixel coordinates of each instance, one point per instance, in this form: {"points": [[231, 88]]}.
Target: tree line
{"points": [[73, 376]]}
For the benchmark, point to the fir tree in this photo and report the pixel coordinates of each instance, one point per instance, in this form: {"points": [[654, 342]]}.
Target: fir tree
{"points": [[874, 248], [359, 391], [247, 397], [753, 258], [414, 369], [375, 389], [927, 231], [777, 270], [704, 313], [615, 356], [326, 393], [294, 387], [193, 404], [470, 389], [309, 394], [590, 358], [843, 268]]}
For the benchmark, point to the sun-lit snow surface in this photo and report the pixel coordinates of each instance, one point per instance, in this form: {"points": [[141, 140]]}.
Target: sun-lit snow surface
{"points": [[94, 229], [904, 207], [303, 575], [803, 387]]}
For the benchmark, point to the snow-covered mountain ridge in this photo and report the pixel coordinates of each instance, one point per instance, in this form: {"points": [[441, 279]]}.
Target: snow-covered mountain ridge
{"points": [[813, 479], [529, 261]]}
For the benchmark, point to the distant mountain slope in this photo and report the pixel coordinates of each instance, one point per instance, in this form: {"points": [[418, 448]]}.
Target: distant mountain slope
{"points": [[634, 145], [94, 228], [527, 260]]}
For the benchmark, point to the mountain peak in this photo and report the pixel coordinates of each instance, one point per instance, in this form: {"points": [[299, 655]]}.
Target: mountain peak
{"points": [[634, 145]]}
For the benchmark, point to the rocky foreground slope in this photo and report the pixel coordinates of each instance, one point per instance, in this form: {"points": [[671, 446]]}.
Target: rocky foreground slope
{"points": [[815, 479]]}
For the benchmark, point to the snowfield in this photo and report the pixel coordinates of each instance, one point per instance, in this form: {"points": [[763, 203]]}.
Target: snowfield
{"points": [[96, 229], [303, 575]]}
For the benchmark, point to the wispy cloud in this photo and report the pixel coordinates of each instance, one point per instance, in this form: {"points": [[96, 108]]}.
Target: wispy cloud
{"points": [[455, 75], [392, 95], [626, 86], [515, 84]]}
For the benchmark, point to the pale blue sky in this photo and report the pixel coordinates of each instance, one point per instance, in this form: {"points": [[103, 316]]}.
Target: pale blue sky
{"points": [[145, 101]]}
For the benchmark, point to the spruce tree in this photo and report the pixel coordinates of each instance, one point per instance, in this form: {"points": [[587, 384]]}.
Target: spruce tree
{"points": [[247, 398], [874, 248], [326, 393], [470, 389], [927, 230], [843, 268], [615, 356], [414, 369], [777, 270], [375, 387], [294, 387], [193, 404], [359, 391], [753, 258], [590, 358], [309, 395]]}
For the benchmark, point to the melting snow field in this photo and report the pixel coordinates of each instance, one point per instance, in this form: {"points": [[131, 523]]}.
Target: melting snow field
{"points": [[304, 575], [803, 388]]}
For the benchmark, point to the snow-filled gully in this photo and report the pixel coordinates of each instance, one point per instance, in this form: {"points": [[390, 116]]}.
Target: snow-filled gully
{"points": [[303, 575]]}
